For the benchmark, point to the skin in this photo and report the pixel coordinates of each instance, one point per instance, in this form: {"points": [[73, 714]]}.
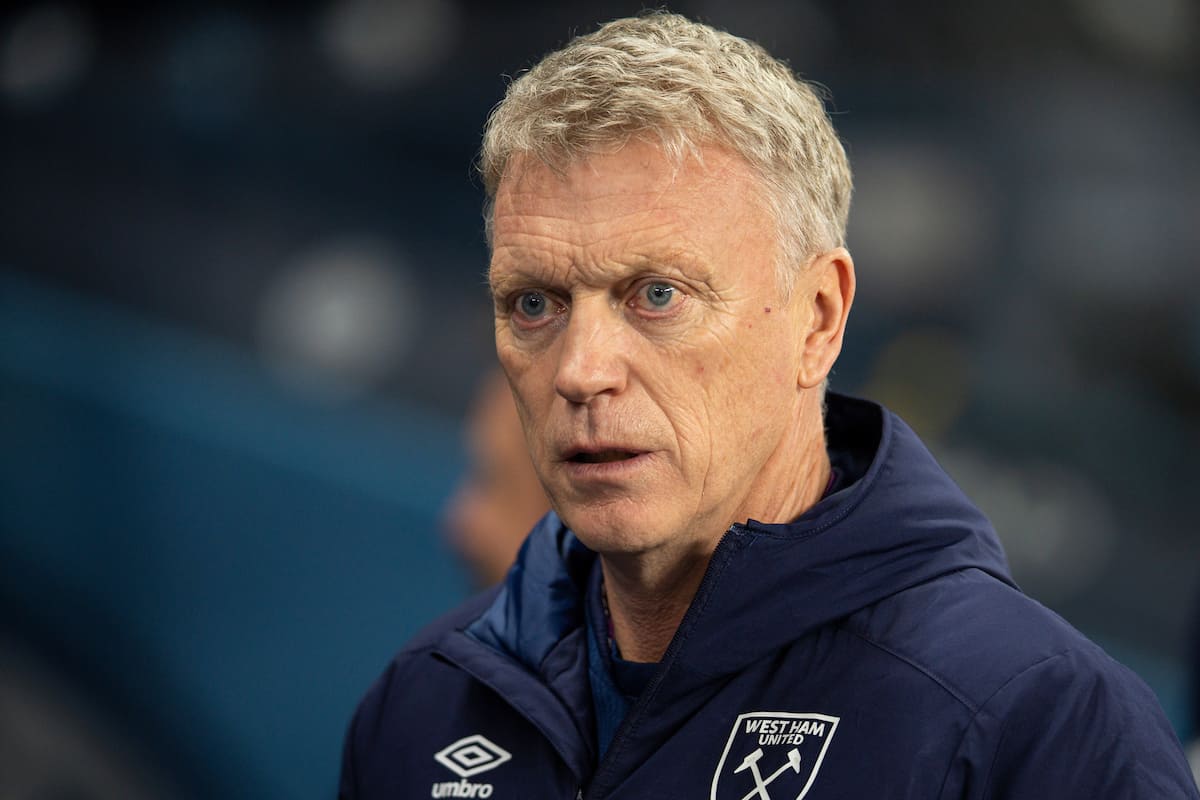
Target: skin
{"points": [[667, 387], [500, 497]]}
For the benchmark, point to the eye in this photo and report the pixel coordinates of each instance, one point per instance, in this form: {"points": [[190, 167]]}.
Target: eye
{"points": [[657, 297], [532, 309], [532, 304]]}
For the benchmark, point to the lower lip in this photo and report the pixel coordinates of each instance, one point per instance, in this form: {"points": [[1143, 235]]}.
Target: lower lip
{"points": [[605, 470]]}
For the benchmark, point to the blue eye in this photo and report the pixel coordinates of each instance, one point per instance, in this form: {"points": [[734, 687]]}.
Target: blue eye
{"points": [[532, 304], [657, 295]]}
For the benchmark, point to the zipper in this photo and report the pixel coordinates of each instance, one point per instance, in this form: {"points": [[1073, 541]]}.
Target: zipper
{"points": [[721, 556]]}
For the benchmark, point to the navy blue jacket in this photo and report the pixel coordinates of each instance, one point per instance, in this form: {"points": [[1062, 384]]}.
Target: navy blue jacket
{"points": [[874, 648]]}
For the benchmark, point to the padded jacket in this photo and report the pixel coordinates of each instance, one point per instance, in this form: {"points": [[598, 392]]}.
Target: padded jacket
{"points": [[874, 648]]}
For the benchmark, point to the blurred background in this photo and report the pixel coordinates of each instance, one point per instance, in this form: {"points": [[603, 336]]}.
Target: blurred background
{"points": [[242, 315]]}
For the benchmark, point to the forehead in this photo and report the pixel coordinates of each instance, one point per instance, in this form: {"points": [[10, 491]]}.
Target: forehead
{"points": [[633, 204]]}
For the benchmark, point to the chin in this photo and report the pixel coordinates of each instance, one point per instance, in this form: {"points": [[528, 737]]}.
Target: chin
{"points": [[604, 531]]}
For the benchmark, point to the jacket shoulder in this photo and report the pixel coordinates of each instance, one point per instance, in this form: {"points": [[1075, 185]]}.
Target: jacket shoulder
{"points": [[413, 653], [456, 619], [1072, 726], [373, 728], [1049, 713], [972, 633]]}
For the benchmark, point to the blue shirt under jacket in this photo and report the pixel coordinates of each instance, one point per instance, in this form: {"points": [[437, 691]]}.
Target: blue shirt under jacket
{"points": [[876, 647]]}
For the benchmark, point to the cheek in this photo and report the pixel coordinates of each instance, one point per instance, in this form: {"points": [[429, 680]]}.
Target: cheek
{"points": [[692, 396], [764, 355], [511, 357], [531, 433], [532, 389], [687, 407]]}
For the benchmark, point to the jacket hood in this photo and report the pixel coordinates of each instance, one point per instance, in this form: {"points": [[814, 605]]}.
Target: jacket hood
{"points": [[903, 522]]}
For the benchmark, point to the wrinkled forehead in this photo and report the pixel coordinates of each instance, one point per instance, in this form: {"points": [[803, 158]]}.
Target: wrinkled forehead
{"points": [[624, 211], [629, 170], [637, 179], [674, 146]]}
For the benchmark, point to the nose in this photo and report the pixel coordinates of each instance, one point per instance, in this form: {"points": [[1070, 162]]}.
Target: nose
{"points": [[591, 360]]}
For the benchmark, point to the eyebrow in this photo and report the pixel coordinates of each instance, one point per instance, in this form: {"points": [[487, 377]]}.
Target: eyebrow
{"points": [[528, 271]]}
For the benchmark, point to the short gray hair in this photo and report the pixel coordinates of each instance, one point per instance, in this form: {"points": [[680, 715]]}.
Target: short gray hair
{"points": [[668, 79]]}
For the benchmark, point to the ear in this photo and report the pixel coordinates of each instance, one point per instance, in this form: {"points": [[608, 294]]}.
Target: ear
{"points": [[828, 289]]}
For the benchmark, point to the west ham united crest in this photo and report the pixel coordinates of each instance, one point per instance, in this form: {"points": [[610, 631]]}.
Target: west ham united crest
{"points": [[773, 755]]}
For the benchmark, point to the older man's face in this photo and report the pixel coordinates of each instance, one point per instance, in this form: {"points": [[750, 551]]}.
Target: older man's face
{"points": [[652, 354]]}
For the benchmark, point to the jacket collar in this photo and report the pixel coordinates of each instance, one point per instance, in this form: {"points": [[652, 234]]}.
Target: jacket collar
{"points": [[903, 522]]}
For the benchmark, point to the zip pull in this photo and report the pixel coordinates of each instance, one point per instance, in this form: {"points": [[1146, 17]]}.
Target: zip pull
{"points": [[579, 795]]}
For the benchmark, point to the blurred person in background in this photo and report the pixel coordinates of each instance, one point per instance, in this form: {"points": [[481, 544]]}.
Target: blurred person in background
{"points": [[748, 587], [500, 498]]}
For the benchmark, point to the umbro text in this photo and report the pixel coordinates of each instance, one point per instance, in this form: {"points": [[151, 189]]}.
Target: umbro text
{"points": [[461, 788]]}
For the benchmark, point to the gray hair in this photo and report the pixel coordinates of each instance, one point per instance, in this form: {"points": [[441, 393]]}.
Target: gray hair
{"points": [[662, 77]]}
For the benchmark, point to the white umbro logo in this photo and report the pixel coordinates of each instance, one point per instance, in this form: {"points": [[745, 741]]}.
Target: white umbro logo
{"points": [[472, 755]]}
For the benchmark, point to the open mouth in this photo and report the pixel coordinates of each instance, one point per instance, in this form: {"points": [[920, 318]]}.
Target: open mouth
{"points": [[602, 456]]}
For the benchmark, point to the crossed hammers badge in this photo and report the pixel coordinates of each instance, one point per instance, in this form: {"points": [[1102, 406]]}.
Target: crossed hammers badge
{"points": [[777, 755], [761, 784]]}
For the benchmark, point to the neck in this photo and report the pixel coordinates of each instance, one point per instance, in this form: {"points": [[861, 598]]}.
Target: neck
{"points": [[649, 592], [647, 601]]}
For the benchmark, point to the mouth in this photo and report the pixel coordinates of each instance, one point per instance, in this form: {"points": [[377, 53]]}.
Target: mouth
{"points": [[601, 456]]}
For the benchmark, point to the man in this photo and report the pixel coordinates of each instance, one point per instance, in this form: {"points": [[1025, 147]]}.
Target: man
{"points": [[500, 498], [743, 593]]}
